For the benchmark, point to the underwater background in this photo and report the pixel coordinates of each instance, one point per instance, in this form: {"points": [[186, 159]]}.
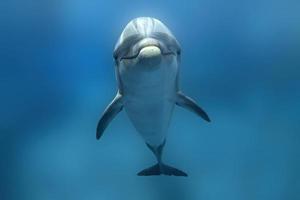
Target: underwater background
{"points": [[240, 61]]}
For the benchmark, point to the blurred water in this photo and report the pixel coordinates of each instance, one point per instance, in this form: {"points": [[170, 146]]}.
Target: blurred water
{"points": [[240, 60]]}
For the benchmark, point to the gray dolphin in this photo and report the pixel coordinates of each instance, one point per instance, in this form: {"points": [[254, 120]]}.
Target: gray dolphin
{"points": [[147, 58]]}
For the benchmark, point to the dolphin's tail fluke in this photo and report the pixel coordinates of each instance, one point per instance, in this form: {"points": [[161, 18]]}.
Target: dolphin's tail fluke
{"points": [[159, 169]]}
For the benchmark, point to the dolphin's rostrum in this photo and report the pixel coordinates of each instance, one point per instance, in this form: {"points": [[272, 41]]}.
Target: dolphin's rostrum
{"points": [[147, 58]]}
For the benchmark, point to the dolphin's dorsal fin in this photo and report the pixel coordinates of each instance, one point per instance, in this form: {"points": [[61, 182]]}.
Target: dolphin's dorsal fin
{"points": [[110, 112], [190, 104]]}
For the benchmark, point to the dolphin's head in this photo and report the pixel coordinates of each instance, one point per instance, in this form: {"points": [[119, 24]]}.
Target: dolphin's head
{"points": [[145, 44]]}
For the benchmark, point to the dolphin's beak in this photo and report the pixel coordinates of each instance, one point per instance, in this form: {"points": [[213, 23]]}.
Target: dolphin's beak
{"points": [[150, 56]]}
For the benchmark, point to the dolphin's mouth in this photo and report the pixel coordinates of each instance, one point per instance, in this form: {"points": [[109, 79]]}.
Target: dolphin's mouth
{"points": [[149, 43], [137, 54]]}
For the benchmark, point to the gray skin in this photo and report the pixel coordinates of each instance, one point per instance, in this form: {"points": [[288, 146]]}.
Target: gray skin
{"points": [[147, 58]]}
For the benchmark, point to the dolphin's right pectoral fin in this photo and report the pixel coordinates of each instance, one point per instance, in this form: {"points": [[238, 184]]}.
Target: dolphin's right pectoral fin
{"points": [[110, 112], [188, 103]]}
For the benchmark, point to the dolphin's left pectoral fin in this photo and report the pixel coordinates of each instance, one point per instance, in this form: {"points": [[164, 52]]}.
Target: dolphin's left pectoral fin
{"points": [[110, 112], [190, 104]]}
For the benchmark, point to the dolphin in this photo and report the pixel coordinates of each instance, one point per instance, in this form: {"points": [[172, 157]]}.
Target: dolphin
{"points": [[147, 58]]}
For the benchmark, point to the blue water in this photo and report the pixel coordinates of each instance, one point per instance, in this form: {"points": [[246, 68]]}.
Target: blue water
{"points": [[240, 61]]}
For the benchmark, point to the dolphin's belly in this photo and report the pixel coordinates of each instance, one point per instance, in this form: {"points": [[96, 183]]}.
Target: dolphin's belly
{"points": [[149, 102], [150, 117]]}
